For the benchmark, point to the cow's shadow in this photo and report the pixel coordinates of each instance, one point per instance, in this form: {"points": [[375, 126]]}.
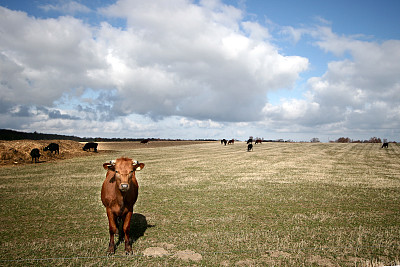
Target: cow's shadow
{"points": [[139, 226]]}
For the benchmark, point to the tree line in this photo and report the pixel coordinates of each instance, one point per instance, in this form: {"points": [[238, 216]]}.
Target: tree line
{"points": [[371, 140]]}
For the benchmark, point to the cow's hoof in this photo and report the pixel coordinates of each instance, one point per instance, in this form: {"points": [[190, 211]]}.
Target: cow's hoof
{"points": [[128, 250], [111, 251]]}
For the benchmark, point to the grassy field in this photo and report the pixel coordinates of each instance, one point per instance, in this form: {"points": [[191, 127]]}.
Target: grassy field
{"points": [[284, 204]]}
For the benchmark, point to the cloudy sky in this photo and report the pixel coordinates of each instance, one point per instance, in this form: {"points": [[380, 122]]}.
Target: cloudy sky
{"points": [[201, 69]]}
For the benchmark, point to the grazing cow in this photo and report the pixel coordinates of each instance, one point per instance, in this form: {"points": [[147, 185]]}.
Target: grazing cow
{"points": [[249, 147], [258, 141], [118, 194], [53, 147], [89, 146], [223, 141], [385, 145], [232, 141], [35, 154], [144, 141], [250, 141]]}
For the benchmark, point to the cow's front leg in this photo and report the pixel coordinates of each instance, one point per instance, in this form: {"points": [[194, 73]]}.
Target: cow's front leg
{"points": [[127, 227], [112, 229]]}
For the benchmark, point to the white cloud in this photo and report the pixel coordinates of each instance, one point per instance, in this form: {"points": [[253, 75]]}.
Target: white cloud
{"points": [[190, 60], [42, 59], [358, 92]]}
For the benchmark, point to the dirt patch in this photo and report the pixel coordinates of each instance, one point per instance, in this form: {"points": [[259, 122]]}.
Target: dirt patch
{"points": [[185, 255], [316, 259], [188, 255], [248, 262], [155, 252], [18, 152]]}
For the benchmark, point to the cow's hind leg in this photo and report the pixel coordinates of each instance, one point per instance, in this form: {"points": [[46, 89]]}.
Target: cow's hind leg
{"points": [[112, 229], [127, 228]]}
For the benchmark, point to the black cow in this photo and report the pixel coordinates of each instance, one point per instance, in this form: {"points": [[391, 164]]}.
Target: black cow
{"points": [[145, 141], [223, 141], [35, 154], [250, 141], [249, 147], [88, 146], [53, 147], [385, 145]]}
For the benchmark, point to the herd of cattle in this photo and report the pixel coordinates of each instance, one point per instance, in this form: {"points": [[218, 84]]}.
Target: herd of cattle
{"points": [[249, 143], [53, 147], [259, 141]]}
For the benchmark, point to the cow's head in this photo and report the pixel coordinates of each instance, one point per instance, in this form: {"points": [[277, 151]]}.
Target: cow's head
{"points": [[124, 171]]}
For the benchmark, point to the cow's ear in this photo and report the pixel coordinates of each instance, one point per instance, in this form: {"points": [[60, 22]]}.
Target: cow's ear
{"points": [[138, 166], [109, 166]]}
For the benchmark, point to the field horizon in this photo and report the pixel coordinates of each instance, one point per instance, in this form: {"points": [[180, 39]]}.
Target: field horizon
{"points": [[283, 204]]}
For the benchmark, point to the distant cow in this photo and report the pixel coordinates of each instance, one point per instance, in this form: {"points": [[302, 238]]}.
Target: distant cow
{"points": [[53, 147], [250, 141], [223, 141], [89, 146], [144, 141], [35, 154], [258, 141], [249, 147], [232, 141], [385, 145], [118, 194]]}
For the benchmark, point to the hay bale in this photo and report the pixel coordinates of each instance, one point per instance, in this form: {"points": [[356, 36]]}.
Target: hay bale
{"points": [[18, 151]]}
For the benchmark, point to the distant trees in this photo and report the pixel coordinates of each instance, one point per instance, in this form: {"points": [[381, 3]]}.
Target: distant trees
{"points": [[343, 140], [375, 140], [348, 140], [339, 140]]}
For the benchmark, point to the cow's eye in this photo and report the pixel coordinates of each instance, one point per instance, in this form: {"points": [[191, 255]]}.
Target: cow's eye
{"points": [[116, 171]]}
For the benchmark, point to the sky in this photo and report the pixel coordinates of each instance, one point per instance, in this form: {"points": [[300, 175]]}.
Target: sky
{"points": [[201, 69]]}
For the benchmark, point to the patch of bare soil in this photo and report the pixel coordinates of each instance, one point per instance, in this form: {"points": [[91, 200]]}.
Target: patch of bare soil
{"points": [[188, 255], [155, 252], [18, 152], [185, 255]]}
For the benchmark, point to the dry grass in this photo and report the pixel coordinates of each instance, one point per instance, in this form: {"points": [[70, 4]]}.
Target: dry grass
{"points": [[123, 146], [207, 204]]}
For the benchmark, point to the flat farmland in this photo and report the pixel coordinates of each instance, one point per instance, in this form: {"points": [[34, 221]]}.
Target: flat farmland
{"points": [[283, 204]]}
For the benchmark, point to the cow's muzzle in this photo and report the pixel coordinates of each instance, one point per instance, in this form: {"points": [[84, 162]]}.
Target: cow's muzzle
{"points": [[124, 187]]}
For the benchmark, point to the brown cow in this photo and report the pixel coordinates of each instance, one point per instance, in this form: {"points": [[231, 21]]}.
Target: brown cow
{"points": [[118, 194]]}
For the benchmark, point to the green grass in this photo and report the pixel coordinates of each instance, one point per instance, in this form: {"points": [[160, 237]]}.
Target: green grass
{"points": [[280, 205]]}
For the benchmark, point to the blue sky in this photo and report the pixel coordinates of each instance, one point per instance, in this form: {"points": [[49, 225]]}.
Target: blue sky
{"points": [[201, 69]]}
